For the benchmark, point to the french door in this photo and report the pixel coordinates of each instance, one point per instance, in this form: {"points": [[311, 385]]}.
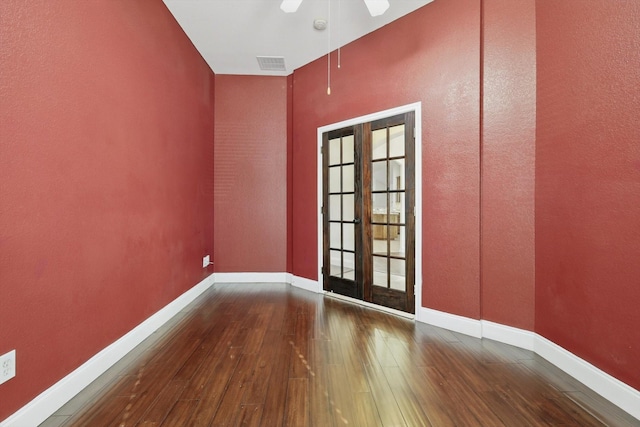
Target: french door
{"points": [[368, 211]]}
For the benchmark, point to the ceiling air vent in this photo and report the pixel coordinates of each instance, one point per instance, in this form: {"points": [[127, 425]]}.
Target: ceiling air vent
{"points": [[271, 63]]}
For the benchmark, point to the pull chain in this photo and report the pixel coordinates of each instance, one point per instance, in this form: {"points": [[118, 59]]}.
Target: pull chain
{"points": [[338, 27], [329, 50]]}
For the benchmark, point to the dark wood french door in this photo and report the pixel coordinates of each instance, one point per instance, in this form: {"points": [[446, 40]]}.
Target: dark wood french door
{"points": [[368, 211]]}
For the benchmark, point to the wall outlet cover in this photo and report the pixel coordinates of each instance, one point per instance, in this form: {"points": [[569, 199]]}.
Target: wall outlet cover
{"points": [[7, 366], [206, 261]]}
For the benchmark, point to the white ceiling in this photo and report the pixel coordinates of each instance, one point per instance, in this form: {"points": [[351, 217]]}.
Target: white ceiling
{"points": [[229, 34]]}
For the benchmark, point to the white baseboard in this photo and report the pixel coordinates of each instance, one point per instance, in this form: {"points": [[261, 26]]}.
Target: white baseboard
{"points": [[620, 394], [304, 283], [449, 321], [612, 389], [298, 282], [52, 399], [508, 335], [251, 278]]}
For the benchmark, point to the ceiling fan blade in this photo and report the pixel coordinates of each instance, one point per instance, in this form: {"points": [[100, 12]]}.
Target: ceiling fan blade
{"points": [[377, 7], [290, 6]]}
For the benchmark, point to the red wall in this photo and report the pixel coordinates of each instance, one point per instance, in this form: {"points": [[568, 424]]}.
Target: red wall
{"points": [[431, 55], [508, 162], [106, 118], [106, 202], [588, 181], [251, 174]]}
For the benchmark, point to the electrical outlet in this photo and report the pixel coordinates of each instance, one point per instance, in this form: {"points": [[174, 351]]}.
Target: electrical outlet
{"points": [[206, 261], [7, 366]]}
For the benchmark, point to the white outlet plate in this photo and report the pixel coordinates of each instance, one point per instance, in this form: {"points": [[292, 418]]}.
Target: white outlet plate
{"points": [[206, 261], [7, 366]]}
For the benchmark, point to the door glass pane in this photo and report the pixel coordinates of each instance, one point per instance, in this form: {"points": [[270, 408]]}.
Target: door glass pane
{"points": [[349, 267], [396, 141], [347, 149], [379, 212], [379, 144], [347, 178], [398, 275], [334, 180], [397, 242], [334, 151], [379, 176], [336, 263], [396, 174], [348, 202], [394, 218], [379, 240], [348, 239], [396, 214], [334, 236], [380, 274], [393, 232], [334, 207]]}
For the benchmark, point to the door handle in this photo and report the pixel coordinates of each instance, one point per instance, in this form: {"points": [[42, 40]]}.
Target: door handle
{"points": [[357, 221]]}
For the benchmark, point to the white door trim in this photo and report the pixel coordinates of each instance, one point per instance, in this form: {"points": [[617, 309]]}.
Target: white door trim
{"points": [[417, 109]]}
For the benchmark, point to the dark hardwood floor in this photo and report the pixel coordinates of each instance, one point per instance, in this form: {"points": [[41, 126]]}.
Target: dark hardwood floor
{"points": [[273, 355]]}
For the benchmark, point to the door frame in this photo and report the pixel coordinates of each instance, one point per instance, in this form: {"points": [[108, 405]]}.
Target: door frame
{"points": [[417, 109]]}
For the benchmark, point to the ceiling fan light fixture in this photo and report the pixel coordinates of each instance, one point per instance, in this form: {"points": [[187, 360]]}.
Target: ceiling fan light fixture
{"points": [[320, 24], [377, 7], [290, 6]]}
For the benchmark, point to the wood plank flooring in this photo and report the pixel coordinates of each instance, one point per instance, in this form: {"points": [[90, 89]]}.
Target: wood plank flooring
{"points": [[273, 355]]}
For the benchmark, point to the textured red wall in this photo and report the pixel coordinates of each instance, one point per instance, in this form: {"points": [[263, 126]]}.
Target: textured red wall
{"points": [[431, 55], [588, 181], [508, 162], [251, 174], [106, 198]]}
